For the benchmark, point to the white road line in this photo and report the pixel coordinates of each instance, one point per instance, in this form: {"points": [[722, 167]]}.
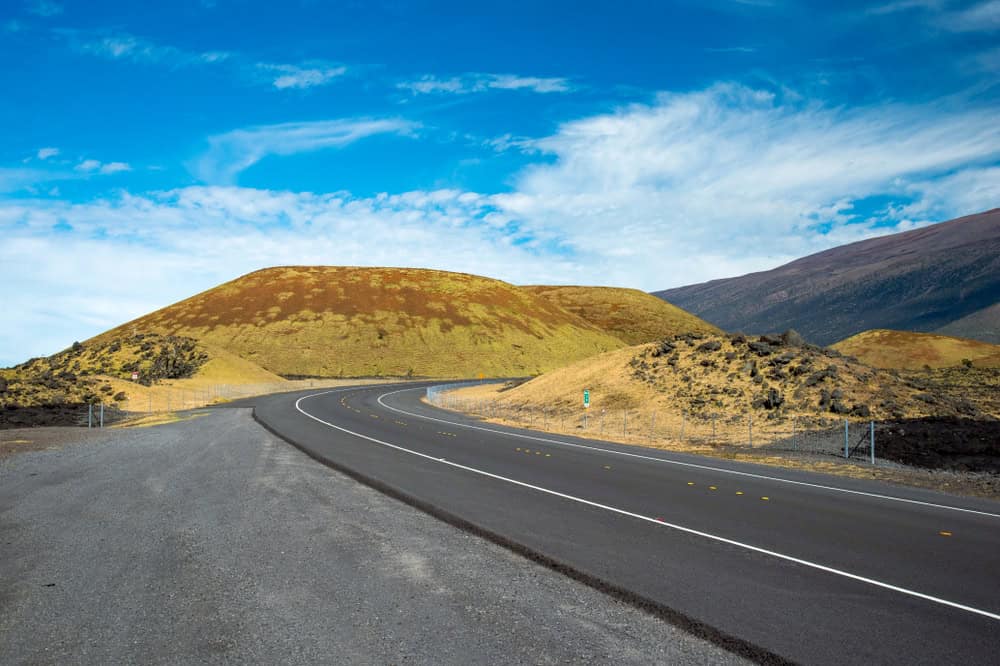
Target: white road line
{"points": [[654, 521], [666, 461]]}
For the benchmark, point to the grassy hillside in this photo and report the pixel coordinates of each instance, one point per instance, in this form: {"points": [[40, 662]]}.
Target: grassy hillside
{"points": [[904, 350], [325, 321], [632, 315], [775, 379]]}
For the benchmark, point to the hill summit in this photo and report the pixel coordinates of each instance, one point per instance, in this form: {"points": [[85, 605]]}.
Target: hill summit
{"points": [[632, 315], [333, 321]]}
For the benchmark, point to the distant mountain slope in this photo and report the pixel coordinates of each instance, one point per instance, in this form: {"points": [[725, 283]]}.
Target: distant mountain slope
{"points": [[980, 325], [630, 314], [906, 350], [328, 321], [920, 280]]}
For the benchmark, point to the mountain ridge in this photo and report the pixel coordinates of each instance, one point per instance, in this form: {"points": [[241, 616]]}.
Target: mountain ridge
{"points": [[921, 280]]}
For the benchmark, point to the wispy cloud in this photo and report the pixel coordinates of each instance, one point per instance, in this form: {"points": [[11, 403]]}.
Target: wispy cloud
{"points": [[506, 142], [689, 187], [231, 153], [905, 6], [982, 16], [46, 153], [731, 49], [131, 48], [44, 8], [124, 46], [730, 180], [476, 83], [305, 75], [979, 17], [96, 166]]}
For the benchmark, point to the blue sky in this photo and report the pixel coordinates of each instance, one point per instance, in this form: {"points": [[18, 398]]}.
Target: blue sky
{"points": [[153, 152]]}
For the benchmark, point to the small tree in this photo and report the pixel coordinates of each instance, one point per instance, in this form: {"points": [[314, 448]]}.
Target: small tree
{"points": [[967, 363]]}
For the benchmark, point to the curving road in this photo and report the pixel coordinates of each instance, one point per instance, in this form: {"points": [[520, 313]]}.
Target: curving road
{"points": [[773, 564]]}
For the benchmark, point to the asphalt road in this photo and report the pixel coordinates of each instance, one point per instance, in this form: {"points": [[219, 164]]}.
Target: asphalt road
{"points": [[772, 563], [212, 541]]}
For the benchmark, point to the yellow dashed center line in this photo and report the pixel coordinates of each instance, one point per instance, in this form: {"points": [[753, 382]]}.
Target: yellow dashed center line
{"points": [[690, 483], [765, 498], [712, 488], [739, 492], [944, 533]]}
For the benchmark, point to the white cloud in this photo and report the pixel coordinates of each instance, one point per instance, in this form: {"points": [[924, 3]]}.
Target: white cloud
{"points": [[506, 142], [124, 46], [307, 75], [475, 83], [731, 180], [96, 166], [13, 180], [131, 254], [46, 153], [904, 6], [693, 186], [982, 16], [230, 153], [731, 49], [115, 167], [44, 8]]}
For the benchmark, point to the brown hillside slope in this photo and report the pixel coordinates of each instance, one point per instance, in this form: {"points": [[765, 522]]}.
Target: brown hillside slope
{"points": [[904, 350], [918, 280], [329, 321], [632, 315]]}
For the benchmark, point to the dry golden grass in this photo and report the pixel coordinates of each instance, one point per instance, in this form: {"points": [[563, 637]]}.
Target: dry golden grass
{"points": [[906, 350], [353, 322], [691, 392], [632, 315], [664, 434]]}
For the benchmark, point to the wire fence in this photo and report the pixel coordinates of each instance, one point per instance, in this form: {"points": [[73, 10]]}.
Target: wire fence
{"points": [[132, 404], [846, 438]]}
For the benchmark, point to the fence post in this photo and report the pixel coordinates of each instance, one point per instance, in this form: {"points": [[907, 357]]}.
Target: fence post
{"points": [[871, 439], [750, 428], [794, 419], [102, 414], [652, 426], [602, 421], [847, 429], [682, 424], [90, 415]]}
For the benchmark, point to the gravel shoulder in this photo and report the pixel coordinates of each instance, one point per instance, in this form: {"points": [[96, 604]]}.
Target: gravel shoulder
{"points": [[212, 541]]}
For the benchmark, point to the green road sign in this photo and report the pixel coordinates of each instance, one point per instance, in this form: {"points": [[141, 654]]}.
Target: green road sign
{"points": [[586, 397]]}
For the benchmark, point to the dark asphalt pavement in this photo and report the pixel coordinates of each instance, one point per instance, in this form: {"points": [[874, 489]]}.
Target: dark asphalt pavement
{"points": [[769, 562], [210, 541]]}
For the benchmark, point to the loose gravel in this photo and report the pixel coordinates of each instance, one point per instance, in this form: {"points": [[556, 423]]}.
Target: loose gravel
{"points": [[212, 541]]}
